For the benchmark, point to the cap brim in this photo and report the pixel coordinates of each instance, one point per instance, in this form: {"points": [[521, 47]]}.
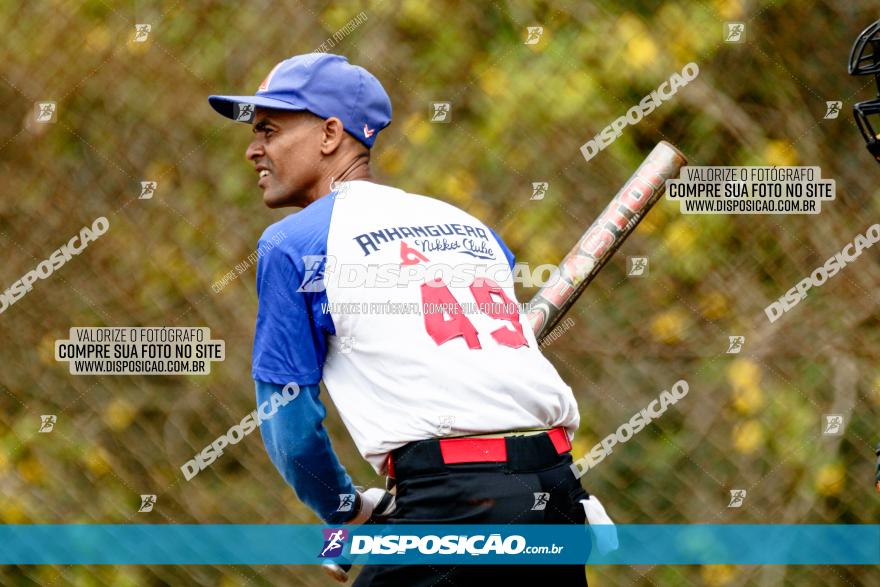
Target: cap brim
{"points": [[226, 105]]}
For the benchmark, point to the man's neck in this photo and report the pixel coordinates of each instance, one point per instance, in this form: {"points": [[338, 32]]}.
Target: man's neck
{"points": [[357, 170]]}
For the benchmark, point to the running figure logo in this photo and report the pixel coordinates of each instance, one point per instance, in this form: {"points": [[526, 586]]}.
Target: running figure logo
{"points": [[313, 279], [45, 111], [737, 497], [340, 187], [334, 540], [735, 32], [148, 188], [534, 34], [47, 422], [638, 266], [446, 424], [541, 500], [832, 108], [346, 502], [441, 111], [244, 112], [735, 344], [147, 503], [346, 344], [833, 425], [141, 32], [539, 190]]}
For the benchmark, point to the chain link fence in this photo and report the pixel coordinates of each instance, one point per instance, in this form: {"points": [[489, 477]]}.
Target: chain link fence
{"points": [[131, 107]]}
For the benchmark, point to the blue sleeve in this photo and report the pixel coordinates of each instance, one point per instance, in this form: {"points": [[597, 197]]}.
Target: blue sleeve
{"points": [[507, 252], [292, 319], [301, 451]]}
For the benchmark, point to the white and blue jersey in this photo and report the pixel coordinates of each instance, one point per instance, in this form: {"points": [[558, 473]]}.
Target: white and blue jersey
{"points": [[404, 306]]}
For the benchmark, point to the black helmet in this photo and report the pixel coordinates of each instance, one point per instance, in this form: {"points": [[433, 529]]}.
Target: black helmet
{"points": [[864, 59]]}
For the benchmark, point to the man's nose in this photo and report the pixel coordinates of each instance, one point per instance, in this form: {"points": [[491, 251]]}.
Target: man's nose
{"points": [[254, 150]]}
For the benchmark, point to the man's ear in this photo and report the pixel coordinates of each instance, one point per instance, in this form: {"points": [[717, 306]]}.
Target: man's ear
{"points": [[333, 134]]}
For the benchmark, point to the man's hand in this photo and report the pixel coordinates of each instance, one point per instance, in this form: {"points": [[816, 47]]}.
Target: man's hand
{"points": [[372, 504]]}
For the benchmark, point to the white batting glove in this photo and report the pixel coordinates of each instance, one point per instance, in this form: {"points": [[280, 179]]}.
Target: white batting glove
{"points": [[373, 503], [606, 538]]}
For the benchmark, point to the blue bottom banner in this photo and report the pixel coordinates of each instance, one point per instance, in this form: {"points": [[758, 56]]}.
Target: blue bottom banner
{"points": [[246, 544]]}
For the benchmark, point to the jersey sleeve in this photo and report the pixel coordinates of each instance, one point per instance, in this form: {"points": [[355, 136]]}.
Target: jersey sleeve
{"points": [[511, 259], [300, 449], [292, 322]]}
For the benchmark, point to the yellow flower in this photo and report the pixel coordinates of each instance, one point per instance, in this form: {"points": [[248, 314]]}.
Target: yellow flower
{"points": [[96, 460], [656, 220], [729, 8], [119, 414], [780, 153], [581, 445], [680, 237], [685, 43], [98, 38], [47, 575], [830, 479], [31, 470], [713, 306], [717, 575], [12, 511], [46, 350], [744, 376], [335, 17], [494, 82], [629, 26], [578, 87], [158, 170], [748, 437], [459, 187], [542, 248], [640, 49], [748, 400], [419, 11], [390, 160], [416, 128], [129, 576], [668, 326], [743, 373]]}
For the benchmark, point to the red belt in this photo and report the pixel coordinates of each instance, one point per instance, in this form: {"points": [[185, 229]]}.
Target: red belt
{"points": [[486, 450]]}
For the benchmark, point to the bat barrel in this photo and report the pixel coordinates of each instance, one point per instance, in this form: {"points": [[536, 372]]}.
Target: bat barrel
{"points": [[604, 237]]}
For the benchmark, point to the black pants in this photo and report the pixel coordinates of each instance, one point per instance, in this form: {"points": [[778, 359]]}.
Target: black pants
{"points": [[431, 492]]}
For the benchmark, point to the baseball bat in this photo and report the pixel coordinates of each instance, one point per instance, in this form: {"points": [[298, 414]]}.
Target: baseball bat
{"points": [[337, 571], [604, 236]]}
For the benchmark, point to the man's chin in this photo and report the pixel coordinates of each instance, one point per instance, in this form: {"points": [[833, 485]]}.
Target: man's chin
{"points": [[271, 200], [270, 203]]}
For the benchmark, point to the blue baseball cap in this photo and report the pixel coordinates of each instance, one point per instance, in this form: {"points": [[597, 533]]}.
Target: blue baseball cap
{"points": [[321, 83]]}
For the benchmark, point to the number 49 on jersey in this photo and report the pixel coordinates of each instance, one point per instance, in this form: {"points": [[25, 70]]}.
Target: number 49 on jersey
{"points": [[438, 301]]}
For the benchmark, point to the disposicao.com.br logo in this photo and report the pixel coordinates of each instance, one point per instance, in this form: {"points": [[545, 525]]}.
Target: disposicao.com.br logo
{"points": [[476, 545]]}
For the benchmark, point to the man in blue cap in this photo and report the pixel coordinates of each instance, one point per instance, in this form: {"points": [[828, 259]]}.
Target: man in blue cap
{"points": [[462, 412], [318, 116]]}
